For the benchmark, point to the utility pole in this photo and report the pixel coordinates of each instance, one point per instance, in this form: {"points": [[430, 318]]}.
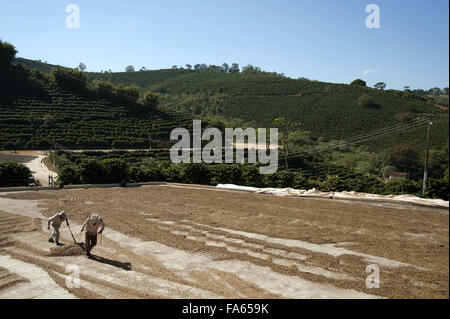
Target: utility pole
{"points": [[425, 172]]}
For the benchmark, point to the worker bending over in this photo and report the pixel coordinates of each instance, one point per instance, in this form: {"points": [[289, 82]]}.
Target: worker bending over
{"points": [[56, 221]]}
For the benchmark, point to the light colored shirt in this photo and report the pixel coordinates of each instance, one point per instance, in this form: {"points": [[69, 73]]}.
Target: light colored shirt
{"points": [[91, 228], [57, 220]]}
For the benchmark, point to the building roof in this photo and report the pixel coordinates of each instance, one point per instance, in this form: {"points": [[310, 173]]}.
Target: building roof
{"points": [[398, 174]]}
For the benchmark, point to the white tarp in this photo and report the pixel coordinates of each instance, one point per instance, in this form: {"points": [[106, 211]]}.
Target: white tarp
{"points": [[342, 195]]}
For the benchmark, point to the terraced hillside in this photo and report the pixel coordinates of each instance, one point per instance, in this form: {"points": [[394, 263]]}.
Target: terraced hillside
{"points": [[35, 112], [325, 109]]}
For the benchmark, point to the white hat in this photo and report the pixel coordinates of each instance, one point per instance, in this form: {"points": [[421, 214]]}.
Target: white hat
{"points": [[94, 218]]}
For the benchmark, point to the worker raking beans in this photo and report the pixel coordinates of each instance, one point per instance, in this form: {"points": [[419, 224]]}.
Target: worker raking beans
{"points": [[56, 222], [92, 224]]}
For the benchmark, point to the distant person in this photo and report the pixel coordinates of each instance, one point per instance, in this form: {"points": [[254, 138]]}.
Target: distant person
{"points": [[92, 224], [56, 221]]}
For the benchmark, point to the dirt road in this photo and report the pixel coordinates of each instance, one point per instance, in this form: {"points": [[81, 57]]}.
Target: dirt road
{"points": [[173, 241]]}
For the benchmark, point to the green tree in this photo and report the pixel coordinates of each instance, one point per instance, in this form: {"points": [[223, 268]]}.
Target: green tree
{"points": [[359, 82], [380, 86], [404, 157], [82, 67], [300, 181], [234, 68], [90, 172], [226, 174], [366, 101], [402, 186], [128, 92], [438, 162], [438, 188], [287, 127], [13, 174], [172, 173], [195, 173], [71, 79], [225, 67], [251, 176], [151, 99], [7, 54], [130, 68], [49, 120], [68, 174], [333, 184], [284, 178], [114, 171]]}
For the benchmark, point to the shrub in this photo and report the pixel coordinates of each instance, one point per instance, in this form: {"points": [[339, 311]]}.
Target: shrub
{"points": [[251, 176], [136, 174], [402, 186], [90, 172], [151, 99], [128, 92], [226, 174], [172, 173], [365, 183], [70, 79], [270, 180], [313, 183], [359, 82], [300, 181], [404, 157], [333, 184], [105, 89], [7, 54], [280, 179], [195, 174], [438, 188], [114, 171], [367, 101], [68, 174], [13, 174]]}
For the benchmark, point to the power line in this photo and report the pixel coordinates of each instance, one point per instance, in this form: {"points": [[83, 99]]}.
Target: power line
{"points": [[361, 138]]}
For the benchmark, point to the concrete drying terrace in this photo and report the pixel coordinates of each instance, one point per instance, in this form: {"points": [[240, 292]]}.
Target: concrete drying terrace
{"points": [[178, 241]]}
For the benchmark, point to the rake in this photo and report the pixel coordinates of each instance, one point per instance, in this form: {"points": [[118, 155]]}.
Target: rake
{"points": [[72, 234]]}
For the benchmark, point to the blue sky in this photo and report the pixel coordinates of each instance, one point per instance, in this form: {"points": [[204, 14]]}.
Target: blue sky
{"points": [[326, 40]]}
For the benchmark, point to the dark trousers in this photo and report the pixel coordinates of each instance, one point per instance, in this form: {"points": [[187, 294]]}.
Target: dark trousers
{"points": [[90, 242]]}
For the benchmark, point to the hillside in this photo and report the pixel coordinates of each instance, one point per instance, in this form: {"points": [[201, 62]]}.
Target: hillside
{"points": [[327, 110], [36, 110], [39, 65]]}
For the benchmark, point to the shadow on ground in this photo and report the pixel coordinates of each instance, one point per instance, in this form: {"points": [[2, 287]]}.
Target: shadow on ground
{"points": [[115, 263]]}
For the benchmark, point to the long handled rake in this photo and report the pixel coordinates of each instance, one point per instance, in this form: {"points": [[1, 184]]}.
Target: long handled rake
{"points": [[72, 234]]}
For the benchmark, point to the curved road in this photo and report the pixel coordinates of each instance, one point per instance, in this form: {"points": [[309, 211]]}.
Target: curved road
{"points": [[40, 171]]}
